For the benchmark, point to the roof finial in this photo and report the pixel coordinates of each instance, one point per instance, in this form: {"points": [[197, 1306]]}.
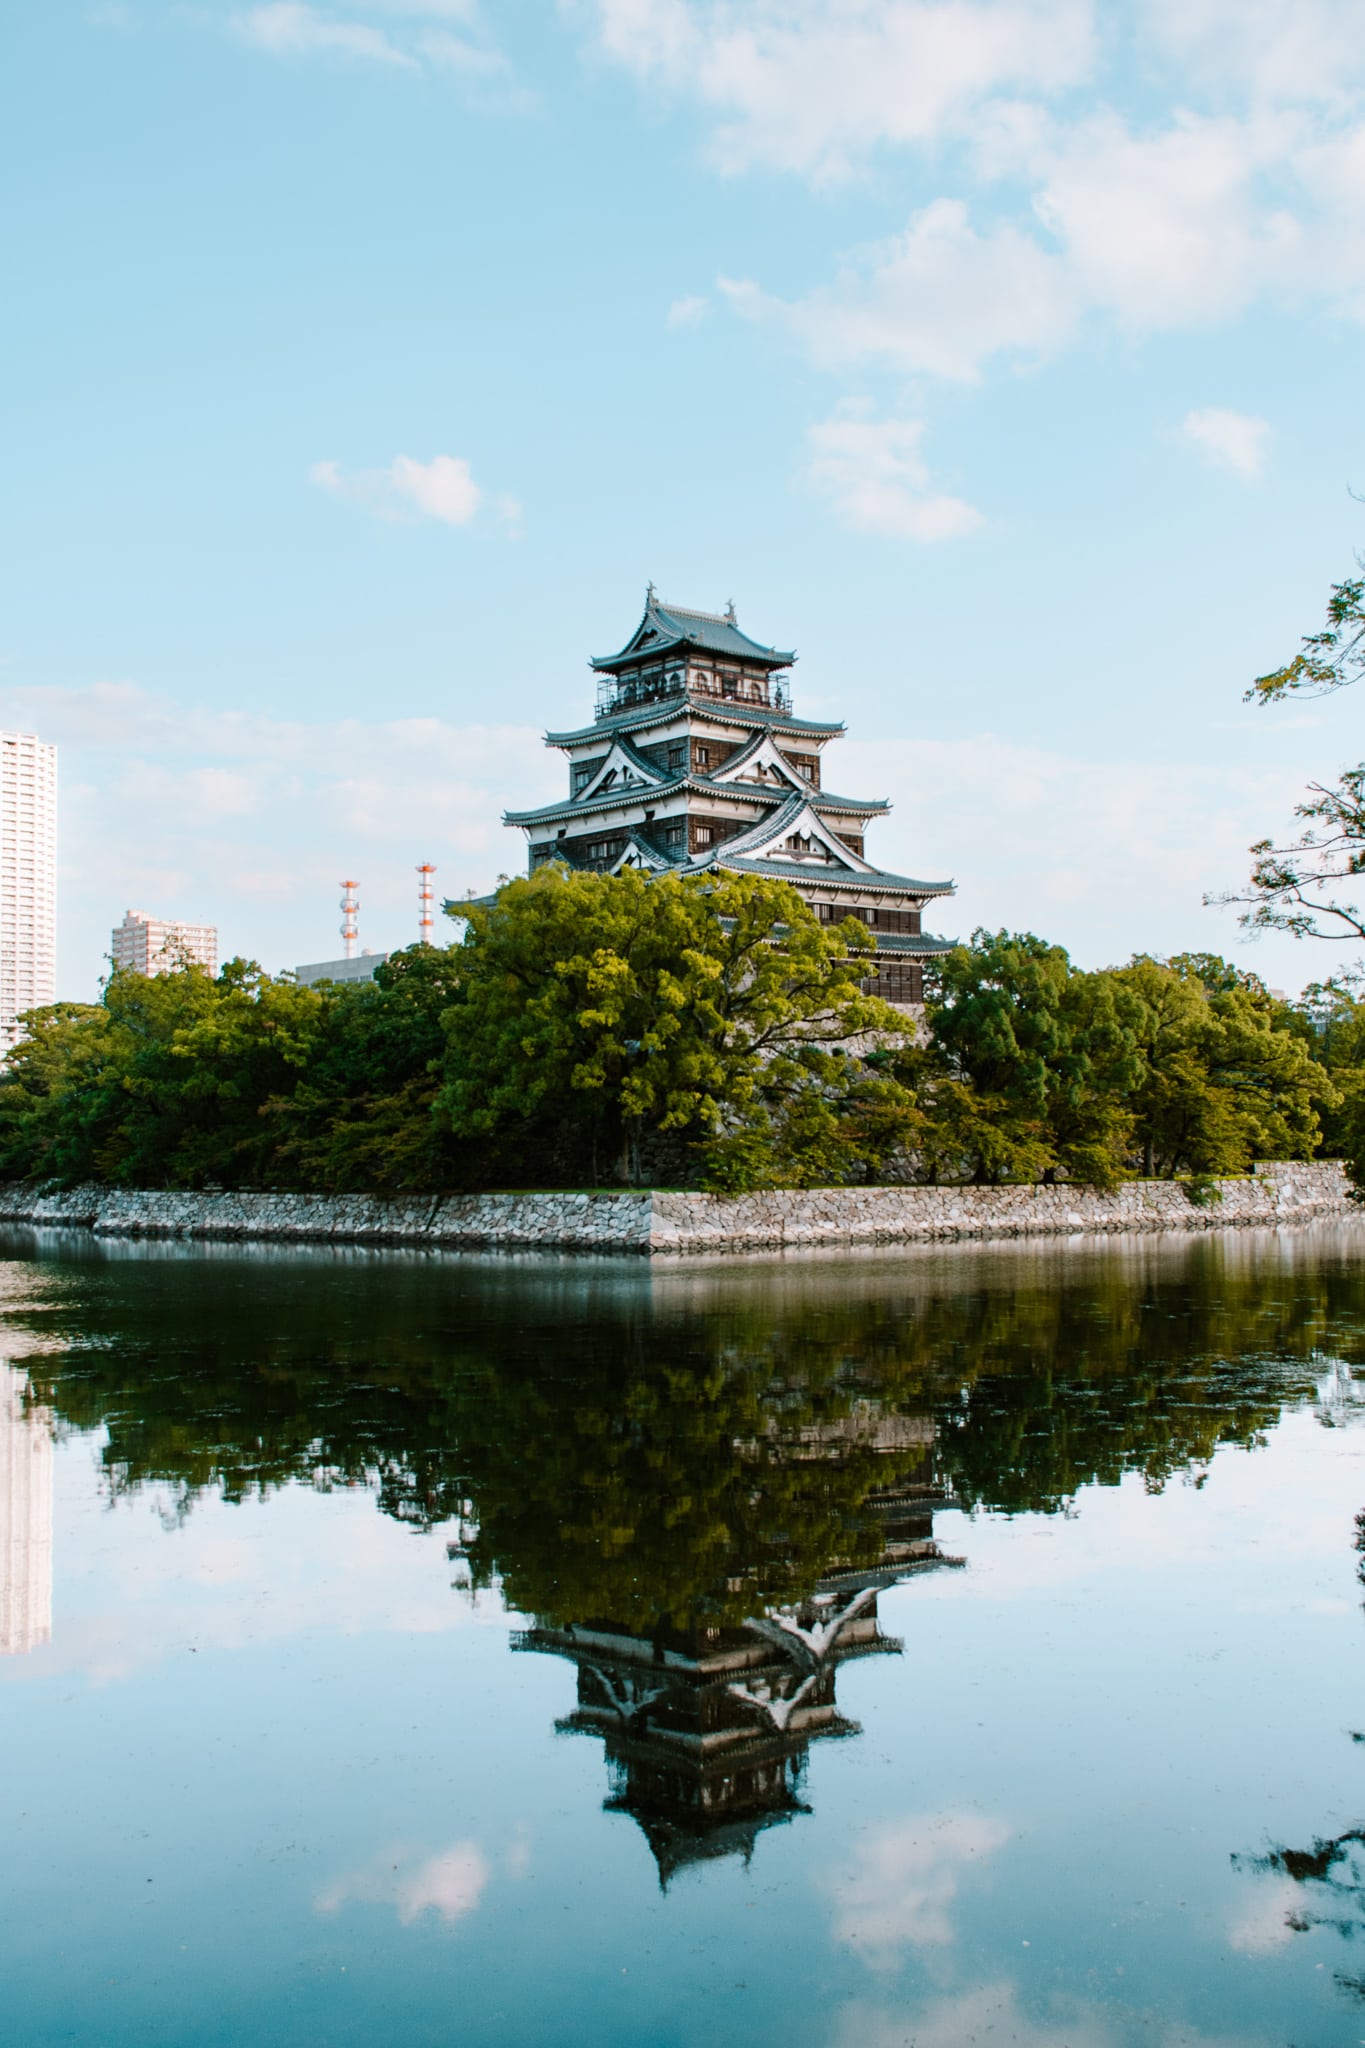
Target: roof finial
{"points": [[650, 597], [730, 611]]}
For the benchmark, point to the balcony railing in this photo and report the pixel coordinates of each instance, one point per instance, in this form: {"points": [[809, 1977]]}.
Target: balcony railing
{"points": [[613, 695]]}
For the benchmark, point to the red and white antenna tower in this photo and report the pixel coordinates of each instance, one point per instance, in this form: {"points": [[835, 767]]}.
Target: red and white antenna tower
{"points": [[350, 910], [426, 896]]}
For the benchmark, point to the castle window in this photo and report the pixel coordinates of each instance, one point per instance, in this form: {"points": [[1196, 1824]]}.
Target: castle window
{"points": [[703, 835]]}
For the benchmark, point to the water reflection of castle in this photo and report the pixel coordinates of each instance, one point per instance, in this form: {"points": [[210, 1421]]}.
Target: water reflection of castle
{"points": [[706, 1728], [25, 1518]]}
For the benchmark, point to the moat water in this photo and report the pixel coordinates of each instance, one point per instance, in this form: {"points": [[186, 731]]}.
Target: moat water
{"points": [[943, 1647]]}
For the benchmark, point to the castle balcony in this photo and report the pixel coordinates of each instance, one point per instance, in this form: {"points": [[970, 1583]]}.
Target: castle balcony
{"points": [[615, 694]]}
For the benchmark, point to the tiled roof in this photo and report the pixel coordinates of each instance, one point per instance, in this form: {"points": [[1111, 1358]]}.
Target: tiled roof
{"points": [[813, 871], [666, 626]]}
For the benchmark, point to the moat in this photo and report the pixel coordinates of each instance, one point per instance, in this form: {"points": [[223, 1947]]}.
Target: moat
{"points": [[920, 1647]]}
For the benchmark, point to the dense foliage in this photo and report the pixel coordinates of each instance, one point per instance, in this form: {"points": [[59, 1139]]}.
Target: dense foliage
{"points": [[588, 1029]]}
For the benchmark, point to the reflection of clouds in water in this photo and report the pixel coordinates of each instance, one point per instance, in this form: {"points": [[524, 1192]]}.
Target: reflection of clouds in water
{"points": [[449, 1885], [235, 1576], [897, 1892], [1263, 1925], [988, 2014]]}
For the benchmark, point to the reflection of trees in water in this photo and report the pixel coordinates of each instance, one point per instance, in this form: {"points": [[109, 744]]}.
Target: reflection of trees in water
{"points": [[612, 1421], [696, 1481]]}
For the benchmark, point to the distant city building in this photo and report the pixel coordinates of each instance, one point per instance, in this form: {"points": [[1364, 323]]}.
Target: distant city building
{"points": [[158, 945], [28, 879], [361, 969], [696, 762], [25, 1518]]}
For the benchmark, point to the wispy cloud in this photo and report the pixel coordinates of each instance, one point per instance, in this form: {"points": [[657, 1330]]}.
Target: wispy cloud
{"points": [[899, 1891], [289, 28], [874, 474], [688, 312], [442, 489], [449, 1886], [416, 34], [1235, 441], [811, 88]]}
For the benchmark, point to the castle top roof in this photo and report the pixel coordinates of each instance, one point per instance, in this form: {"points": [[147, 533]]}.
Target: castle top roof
{"points": [[665, 627]]}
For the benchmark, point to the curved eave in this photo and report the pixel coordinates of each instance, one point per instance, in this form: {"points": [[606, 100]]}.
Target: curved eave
{"points": [[848, 806], [688, 643], [725, 710], [912, 945], [813, 872]]}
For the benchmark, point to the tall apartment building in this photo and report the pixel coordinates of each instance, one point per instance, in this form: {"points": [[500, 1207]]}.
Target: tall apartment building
{"points": [[156, 945], [28, 879]]}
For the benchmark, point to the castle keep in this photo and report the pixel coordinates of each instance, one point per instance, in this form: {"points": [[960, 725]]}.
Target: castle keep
{"points": [[695, 761]]}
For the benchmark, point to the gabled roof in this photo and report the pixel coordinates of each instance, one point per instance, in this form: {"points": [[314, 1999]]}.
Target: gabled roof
{"points": [[664, 627], [775, 804]]}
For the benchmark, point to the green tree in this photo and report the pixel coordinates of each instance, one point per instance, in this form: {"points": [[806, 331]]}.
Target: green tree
{"points": [[363, 1115], [1028, 1066], [625, 1008], [1224, 1081]]}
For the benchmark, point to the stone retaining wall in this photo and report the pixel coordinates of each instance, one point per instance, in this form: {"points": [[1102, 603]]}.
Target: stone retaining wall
{"points": [[651, 1223]]}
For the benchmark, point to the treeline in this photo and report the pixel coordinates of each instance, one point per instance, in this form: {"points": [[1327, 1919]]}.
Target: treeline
{"points": [[590, 1029]]}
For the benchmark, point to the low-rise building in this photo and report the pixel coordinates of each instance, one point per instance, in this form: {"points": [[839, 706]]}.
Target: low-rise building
{"points": [[158, 945], [359, 968]]}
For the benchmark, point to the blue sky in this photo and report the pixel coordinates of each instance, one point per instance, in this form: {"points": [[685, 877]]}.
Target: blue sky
{"points": [[363, 359]]}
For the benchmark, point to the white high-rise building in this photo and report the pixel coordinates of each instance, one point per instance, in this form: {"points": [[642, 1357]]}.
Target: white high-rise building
{"points": [[25, 1518], [28, 879], [157, 945]]}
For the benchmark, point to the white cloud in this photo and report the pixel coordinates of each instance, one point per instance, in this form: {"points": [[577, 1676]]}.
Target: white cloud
{"points": [[449, 1885], [940, 297], [873, 472], [1264, 1925], [442, 489], [811, 85], [899, 1889], [987, 2013], [1236, 175], [290, 28], [1234, 441], [688, 312], [1309, 52], [1172, 227]]}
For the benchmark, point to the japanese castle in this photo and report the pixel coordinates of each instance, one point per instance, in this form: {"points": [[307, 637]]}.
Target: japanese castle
{"points": [[696, 761]]}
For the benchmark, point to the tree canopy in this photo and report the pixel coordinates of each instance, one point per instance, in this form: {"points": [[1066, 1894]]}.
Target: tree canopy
{"points": [[591, 1029]]}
